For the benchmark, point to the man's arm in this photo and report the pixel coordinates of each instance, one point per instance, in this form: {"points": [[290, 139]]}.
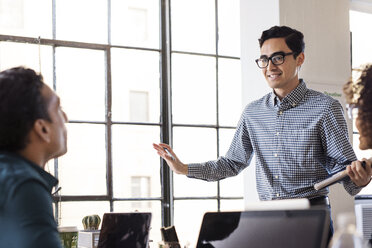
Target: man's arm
{"points": [[30, 206], [209, 171], [237, 158], [338, 149]]}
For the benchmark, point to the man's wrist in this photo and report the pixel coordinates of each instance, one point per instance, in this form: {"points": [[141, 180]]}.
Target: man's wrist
{"points": [[185, 169]]}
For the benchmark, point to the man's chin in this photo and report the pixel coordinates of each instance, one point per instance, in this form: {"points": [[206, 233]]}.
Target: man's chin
{"points": [[273, 84], [60, 153], [63, 152]]}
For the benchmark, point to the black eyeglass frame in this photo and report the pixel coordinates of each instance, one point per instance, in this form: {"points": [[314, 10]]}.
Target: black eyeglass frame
{"points": [[271, 59]]}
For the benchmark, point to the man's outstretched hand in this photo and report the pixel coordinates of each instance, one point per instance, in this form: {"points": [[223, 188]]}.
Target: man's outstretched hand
{"points": [[172, 160]]}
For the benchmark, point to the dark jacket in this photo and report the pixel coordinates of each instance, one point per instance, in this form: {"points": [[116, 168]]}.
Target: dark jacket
{"points": [[26, 213]]}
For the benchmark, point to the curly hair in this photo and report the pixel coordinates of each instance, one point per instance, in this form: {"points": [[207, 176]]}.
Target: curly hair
{"points": [[359, 93], [293, 38], [21, 104]]}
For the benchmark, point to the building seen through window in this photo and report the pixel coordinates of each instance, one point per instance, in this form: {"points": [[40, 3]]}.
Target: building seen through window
{"points": [[105, 62]]}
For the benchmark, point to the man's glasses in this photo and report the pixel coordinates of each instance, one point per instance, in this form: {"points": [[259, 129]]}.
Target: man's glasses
{"points": [[352, 111], [276, 59]]}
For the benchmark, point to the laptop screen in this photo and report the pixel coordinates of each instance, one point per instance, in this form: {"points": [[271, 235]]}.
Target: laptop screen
{"points": [[125, 230], [281, 228]]}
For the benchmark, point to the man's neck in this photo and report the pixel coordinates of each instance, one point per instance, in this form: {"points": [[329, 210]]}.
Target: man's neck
{"points": [[281, 93], [33, 156]]}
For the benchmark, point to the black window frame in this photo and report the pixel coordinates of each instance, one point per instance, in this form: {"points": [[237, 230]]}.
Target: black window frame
{"points": [[166, 125]]}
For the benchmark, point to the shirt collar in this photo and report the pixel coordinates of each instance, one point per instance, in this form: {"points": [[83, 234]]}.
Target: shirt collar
{"points": [[49, 180], [293, 98]]}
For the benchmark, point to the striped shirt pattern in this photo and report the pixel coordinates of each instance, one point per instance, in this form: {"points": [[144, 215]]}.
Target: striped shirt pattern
{"points": [[298, 142]]}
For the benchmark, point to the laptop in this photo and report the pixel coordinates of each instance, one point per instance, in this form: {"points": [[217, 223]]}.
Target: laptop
{"points": [[265, 229], [125, 230]]}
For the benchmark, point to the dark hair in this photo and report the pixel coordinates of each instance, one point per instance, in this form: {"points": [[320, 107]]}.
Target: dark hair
{"points": [[293, 38], [359, 92], [21, 104]]}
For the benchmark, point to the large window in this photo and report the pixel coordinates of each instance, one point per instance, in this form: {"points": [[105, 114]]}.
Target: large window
{"points": [[131, 73], [361, 54]]}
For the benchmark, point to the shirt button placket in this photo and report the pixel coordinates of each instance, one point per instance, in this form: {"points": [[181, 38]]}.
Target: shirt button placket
{"points": [[276, 155]]}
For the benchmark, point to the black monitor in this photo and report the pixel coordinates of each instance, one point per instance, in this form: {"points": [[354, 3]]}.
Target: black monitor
{"points": [[125, 230], [363, 215], [265, 229]]}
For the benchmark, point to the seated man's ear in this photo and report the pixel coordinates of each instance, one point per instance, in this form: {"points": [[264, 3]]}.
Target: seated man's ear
{"points": [[42, 130]]}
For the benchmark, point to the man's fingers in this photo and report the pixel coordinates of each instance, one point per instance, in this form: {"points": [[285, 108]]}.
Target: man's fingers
{"points": [[368, 167], [359, 175], [350, 171], [163, 145]]}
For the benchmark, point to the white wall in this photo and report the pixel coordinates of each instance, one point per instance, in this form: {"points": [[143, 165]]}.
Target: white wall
{"points": [[325, 25], [254, 86]]}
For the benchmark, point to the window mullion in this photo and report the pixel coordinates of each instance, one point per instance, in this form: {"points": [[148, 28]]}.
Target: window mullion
{"points": [[217, 104], [166, 112], [109, 127]]}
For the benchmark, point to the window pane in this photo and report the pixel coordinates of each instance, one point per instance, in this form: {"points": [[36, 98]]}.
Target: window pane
{"points": [[229, 27], [82, 20], [188, 216], [19, 54], [193, 89], [81, 83], [18, 17], [133, 156], [126, 206], [140, 187], [134, 72], [230, 91], [139, 106], [225, 138], [82, 171], [232, 205], [194, 145], [49, 167], [362, 52], [193, 26], [233, 186], [135, 23], [72, 213]]}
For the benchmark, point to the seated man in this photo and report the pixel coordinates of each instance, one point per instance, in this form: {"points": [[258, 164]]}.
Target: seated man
{"points": [[32, 131]]}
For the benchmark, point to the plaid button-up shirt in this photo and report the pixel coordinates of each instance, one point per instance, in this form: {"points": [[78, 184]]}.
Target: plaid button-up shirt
{"points": [[298, 142]]}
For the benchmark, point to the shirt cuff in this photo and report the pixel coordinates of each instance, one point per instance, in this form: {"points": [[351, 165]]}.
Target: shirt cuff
{"points": [[194, 170]]}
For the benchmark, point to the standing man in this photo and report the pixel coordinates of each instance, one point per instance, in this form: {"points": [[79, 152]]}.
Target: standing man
{"points": [[299, 135], [32, 131]]}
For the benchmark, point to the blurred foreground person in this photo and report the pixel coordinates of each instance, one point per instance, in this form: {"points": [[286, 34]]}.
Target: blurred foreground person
{"points": [[359, 98]]}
